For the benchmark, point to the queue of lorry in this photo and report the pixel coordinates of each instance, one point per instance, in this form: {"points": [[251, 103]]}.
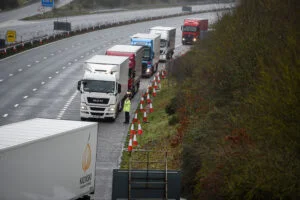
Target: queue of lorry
{"points": [[108, 78], [53, 159]]}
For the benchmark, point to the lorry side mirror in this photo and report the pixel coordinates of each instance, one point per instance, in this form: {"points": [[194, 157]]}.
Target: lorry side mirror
{"points": [[181, 27], [119, 88], [78, 85]]}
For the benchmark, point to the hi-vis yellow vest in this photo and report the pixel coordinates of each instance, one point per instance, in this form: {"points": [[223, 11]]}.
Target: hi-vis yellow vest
{"points": [[127, 105]]}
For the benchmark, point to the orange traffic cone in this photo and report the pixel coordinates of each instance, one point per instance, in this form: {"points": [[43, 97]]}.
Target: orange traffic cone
{"points": [[157, 75], [155, 85], [154, 79], [145, 117], [135, 142], [149, 87], [135, 119], [140, 130], [132, 131], [151, 108], [163, 75], [148, 99], [158, 79], [142, 100], [41, 41], [15, 48], [141, 108], [130, 145], [154, 92]]}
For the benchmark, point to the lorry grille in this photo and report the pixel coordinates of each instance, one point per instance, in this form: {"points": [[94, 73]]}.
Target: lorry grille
{"points": [[97, 100], [97, 109], [98, 114]]}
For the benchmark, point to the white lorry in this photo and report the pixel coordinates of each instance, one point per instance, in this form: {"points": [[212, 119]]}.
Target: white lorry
{"points": [[47, 159], [103, 87], [151, 44], [167, 41]]}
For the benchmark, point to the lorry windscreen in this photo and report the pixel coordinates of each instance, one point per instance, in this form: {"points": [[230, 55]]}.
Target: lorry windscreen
{"points": [[147, 53], [189, 29], [163, 43], [98, 86]]}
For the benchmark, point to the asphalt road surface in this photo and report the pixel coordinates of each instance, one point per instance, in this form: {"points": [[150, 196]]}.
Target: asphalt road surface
{"points": [[27, 30], [42, 83]]}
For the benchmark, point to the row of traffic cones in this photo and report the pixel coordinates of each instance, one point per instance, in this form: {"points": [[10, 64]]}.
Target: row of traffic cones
{"points": [[145, 98]]}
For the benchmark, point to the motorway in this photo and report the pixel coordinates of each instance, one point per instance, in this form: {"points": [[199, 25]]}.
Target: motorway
{"points": [[27, 30], [42, 83]]}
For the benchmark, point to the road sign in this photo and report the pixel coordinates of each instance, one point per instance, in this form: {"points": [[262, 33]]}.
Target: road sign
{"points": [[11, 36], [48, 3], [62, 26]]}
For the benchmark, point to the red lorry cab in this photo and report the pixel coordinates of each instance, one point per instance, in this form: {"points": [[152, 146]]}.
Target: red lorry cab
{"points": [[135, 54], [193, 29]]}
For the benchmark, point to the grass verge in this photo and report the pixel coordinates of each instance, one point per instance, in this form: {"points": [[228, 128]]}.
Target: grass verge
{"points": [[156, 137]]}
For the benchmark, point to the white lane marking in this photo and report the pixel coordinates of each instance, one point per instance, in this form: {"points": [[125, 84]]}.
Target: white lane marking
{"points": [[52, 54], [28, 65], [63, 67], [34, 89], [59, 51], [37, 61], [5, 115], [66, 106], [20, 70], [1, 80], [81, 56], [69, 63], [16, 105], [66, 48], [50, 77], [57, 72], [43, 83], [10, 74], [75, 60], [25, 97], [45, 57], [93, 50]]}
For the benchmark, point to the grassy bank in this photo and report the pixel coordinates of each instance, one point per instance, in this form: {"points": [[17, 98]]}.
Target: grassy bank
{"points": [[157, 134]]}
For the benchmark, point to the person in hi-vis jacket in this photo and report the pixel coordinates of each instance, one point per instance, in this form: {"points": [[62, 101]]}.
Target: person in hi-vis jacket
{"points": [[126, 108]]}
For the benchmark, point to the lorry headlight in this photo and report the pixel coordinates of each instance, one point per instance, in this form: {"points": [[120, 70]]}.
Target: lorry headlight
{"points": [[148, 70], [111, 108], [194, 39], [83, 106], [183, 39]]}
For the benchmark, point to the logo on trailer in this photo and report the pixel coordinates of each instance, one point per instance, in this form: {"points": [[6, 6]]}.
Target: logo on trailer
{"points": [[86, 180], [86, 156]]}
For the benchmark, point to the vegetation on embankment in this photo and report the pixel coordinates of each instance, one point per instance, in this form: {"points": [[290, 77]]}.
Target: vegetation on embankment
{"points": [[239, 107], [157, 134]]}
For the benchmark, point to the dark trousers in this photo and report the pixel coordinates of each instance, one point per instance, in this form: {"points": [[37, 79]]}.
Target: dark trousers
{"points": [[127, 117]]}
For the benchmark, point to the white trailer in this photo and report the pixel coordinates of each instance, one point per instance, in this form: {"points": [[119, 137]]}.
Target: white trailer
{"points": [[135, 55], [103, 87], [167, 41], [47, 159]]}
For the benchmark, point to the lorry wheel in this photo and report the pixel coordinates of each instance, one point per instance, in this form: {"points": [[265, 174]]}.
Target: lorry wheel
{"points": [[82, 119]]}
